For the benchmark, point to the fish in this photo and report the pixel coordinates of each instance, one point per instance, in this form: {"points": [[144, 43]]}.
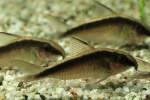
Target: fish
{"points": [[116, 31], [28, 49], [96, 63]]}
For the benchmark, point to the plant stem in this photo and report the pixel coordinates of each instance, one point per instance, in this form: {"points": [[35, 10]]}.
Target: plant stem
{"points": [[141, 5]]}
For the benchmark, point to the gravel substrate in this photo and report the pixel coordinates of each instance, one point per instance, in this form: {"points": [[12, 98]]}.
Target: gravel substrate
{"points": [[33, 18], [117, 87]]}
